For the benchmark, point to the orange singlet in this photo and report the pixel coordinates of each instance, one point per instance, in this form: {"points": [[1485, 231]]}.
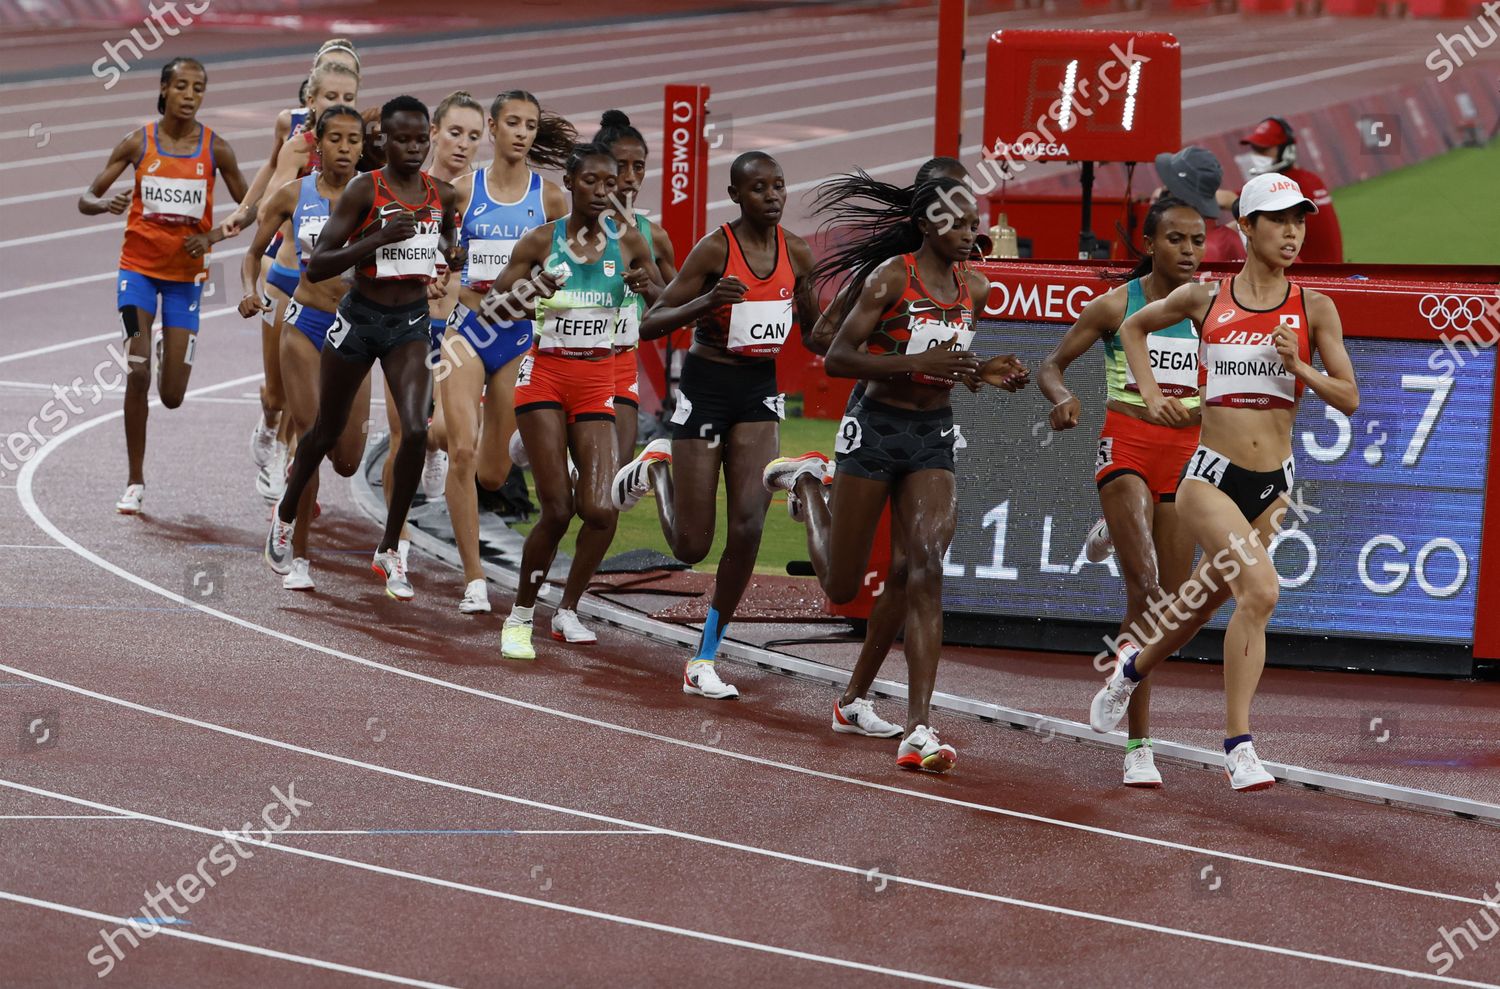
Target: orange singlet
{"points": [[174, 199]]}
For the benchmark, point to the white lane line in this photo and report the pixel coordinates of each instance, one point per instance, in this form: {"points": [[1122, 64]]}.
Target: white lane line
{"points": [[698, 935], [469, 832], [67, 817], [253, 949], [27, 497], [758, 946], [105, 277]]}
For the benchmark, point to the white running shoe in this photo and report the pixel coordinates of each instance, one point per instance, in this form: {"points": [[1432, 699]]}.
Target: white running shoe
{"points": [[476, 599], [279, 543], [300, 578], [1244, 769], [130, 502], [262, 440], [858, 717], [782, 473], [633, 481], [700, 679], [518, 451], [567, 628], [1112, 700], [923, 750], [434, 474], [1140, 768], [390, 566], [1098, 546], [403, 548], [271, 481]]}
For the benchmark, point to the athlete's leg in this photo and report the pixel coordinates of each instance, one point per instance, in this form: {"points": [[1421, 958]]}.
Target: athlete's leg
{"points": [[751, 446], [411, 383], [349, 451], [841, 529], [594, 543], [137, 388], [493, 465], [339, 382], [687, 493], [922, 509], [273, 388], [545, 433], [594, 453], [887, 616], [1129, 512], [459, 395], [299, 361]]}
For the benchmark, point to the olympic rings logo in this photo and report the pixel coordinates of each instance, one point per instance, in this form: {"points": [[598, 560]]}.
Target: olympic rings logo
{"points": [[1451, 311]]}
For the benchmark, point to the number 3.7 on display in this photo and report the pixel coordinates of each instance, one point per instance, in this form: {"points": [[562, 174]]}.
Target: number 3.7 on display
{"points": [[1440, 388]]}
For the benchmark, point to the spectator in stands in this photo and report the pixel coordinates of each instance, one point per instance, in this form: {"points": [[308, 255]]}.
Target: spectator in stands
{"points": [[1273, 148], [1193, 175]]}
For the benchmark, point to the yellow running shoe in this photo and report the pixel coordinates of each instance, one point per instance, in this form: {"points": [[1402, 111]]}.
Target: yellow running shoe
{"points": [[515, 641]]}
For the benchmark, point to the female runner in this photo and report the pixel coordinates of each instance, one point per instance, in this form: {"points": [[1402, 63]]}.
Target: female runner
{"points": [[1138, 463], [629, 149], [289, 123], [390, 226], [331, 83], [306, 203], [898, 443], [501, 203], [168, 232], [581, 266], [728, 406], [1259, 332]]}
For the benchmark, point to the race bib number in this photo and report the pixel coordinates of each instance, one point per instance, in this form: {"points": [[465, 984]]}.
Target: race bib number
{"points": [[758, 329], [851, 434], [414, 257], [293, 310], [579, 332], [487, 259], [1174, 364], [308, 231], [338, 331], [1106, 454], [173, 200], [929, 333], [628, 329], [1208, 466]]}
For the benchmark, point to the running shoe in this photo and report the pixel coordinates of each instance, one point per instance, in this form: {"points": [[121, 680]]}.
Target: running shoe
{"points": [[476, 599], [701, 680], [262, 441], [403, 549], [782, 473], [1245, 771], [518, 451], [515, 640], [392, 567], [300, 578], [279, 543], [567, 628], [923, 750], [271, 480], [1098, 546], [858, 717], [434, 474], [1140, 768], [130, 501], [1113, 698], [794, 500], [633, 481]]}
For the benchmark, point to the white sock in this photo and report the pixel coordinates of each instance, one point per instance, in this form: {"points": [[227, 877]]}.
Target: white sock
{"points": [[403, 549], [520, 615]]}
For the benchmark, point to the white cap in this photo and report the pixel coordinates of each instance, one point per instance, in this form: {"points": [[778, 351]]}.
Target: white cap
{"points": [[1270, 192]]}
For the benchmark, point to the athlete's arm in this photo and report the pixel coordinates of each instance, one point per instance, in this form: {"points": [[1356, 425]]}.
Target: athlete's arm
{"points": [[847, 357], [525, 279], [1098, 319], [450, 244], [641, 274], [832, 318], [1004, 371], [554, 200], [294, 155], [1186, 302], [804, 294], [92, 202], [684, 300], [229, 170], [262, 180], [333, 253], [1338, 387], [666, 255], [279, 209]]}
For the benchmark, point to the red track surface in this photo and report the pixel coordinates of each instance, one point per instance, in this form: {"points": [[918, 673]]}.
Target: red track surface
{"points": [[742, 844]]}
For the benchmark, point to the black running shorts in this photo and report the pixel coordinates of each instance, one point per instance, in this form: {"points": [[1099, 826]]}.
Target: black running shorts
{"points": [[713, 398], [1252, 491], [365, 331], [883, 442]]}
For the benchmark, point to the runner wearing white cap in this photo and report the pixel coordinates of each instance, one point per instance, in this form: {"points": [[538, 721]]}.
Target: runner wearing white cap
{"points": [[1259, 332]]}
